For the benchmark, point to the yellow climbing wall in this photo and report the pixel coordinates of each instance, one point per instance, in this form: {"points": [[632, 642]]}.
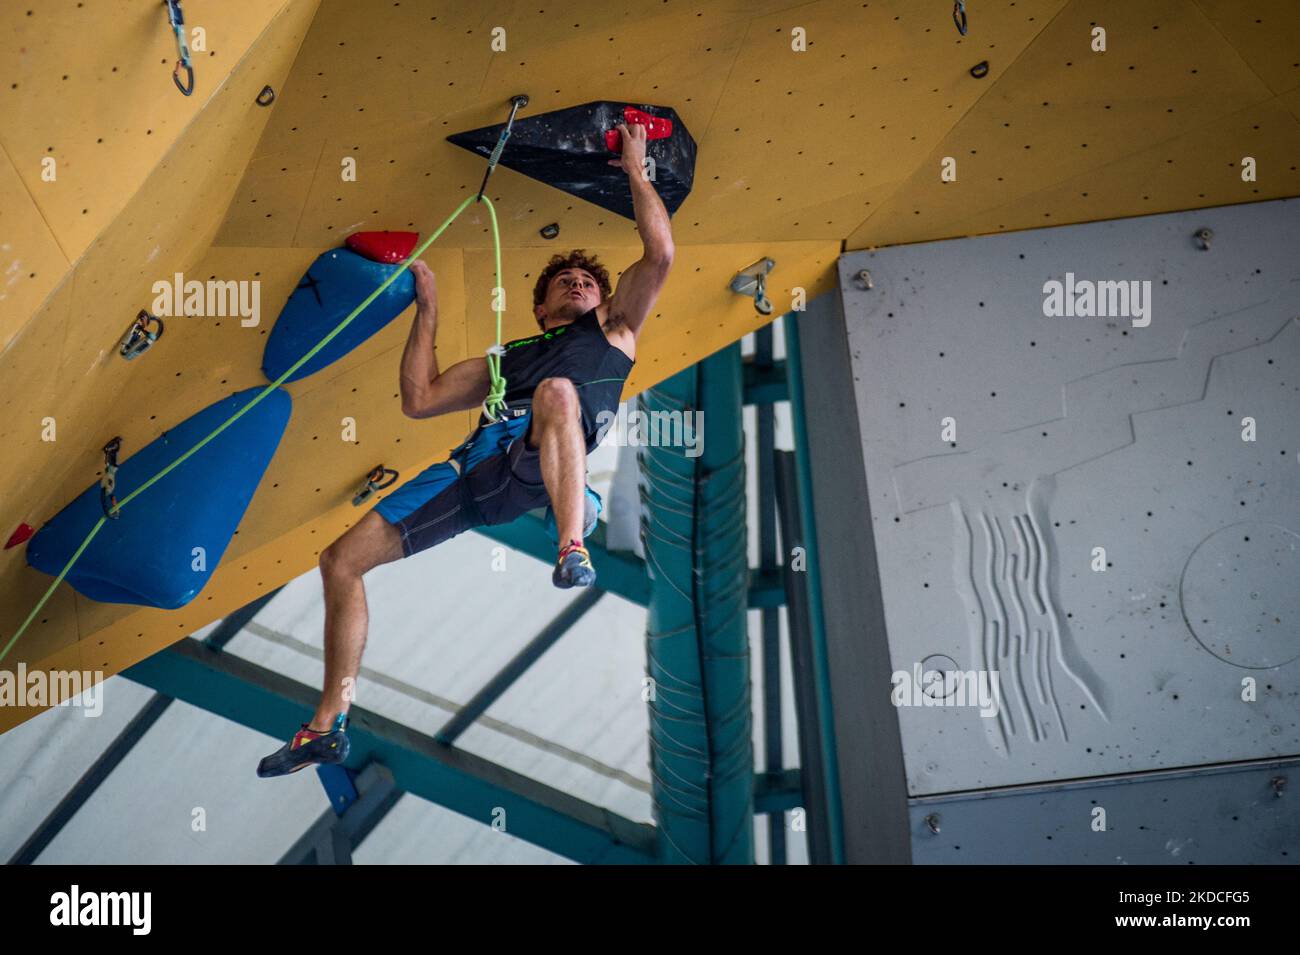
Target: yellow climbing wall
{"points": [[87, 113], [154, 200], [802, 152]]}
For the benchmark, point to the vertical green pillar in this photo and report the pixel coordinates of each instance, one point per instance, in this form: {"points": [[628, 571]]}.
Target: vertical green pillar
{"points": [[693, 527]]}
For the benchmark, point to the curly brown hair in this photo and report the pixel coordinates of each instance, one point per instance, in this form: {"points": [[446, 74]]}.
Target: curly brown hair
{"points": [[577, 259]]}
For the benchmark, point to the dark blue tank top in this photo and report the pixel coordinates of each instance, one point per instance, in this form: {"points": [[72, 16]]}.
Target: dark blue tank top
{"points": [[578, 351]]}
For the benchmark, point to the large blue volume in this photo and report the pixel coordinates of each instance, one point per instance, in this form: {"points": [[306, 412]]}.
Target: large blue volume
{"points": [[336, 283], [165, 544]]}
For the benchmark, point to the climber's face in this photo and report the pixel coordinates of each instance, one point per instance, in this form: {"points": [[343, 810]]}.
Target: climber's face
{"points": [[572, 292]]}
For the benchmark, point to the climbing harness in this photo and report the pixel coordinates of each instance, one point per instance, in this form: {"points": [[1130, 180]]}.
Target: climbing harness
{"points": [[108, 483], [494, 407], [139, 338], [494, 404], [374, 482], [183, 62], [959, 16]]}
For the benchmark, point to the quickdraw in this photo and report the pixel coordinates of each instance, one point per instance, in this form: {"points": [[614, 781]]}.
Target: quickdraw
{"points": [[183, 61], [139, 338], [374, 482], [496, 397], [516, 102], [959, 16], [108, 483]]}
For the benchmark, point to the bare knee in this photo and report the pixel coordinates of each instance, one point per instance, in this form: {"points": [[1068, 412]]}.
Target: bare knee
{"points": [[336, 561], [359, 550], [556, 399], [373, 541]]}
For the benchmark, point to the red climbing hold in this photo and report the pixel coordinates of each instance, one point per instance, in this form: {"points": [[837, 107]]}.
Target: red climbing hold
{"points": [[656, 127], [17, 537], [389, 247]]}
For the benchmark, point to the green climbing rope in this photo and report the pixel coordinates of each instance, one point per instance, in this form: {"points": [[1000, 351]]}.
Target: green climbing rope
{"points": [[496, 398], [492, 406]]}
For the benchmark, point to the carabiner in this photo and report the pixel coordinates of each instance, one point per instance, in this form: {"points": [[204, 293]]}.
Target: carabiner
{"points": [[515, 103], [139, 339], [959, 16], [189, 78], [374, 482], [183, 62], [108, 483]]}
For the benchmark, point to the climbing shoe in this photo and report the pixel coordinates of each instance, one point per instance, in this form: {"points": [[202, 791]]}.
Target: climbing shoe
{"points": [[573, 569], [308, 747]]}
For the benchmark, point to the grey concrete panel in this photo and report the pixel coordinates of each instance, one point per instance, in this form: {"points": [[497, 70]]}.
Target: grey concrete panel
{"points": [[1228, 815], [1081, 432], [868, 751]]}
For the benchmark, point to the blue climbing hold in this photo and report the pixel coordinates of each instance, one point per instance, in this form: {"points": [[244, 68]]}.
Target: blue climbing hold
{"points": [[165, 544], [335, 284]]}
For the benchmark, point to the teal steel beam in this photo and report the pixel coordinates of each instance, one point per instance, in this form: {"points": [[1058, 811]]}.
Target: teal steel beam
{"points": [[813, 775], [694, 533], [765, 384], [470, 785], [769, 560], [778, 792], [518, 665], [125, 742], [766, 589], [333, 836], [94, 777], [821, 667], [618, 572]]}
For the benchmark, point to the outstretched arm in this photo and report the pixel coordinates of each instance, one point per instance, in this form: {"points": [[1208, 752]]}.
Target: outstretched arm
{"points": [[640, 283], [425, 391]]}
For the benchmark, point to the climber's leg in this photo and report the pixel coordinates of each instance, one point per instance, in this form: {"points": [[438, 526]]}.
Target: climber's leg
{"points": [[371, 542]]}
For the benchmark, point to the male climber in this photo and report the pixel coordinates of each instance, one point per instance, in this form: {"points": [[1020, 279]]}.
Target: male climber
{"points": [[558, 383]]}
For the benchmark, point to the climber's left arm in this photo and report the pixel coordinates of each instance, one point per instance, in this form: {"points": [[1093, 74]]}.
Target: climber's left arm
{"points": [[640, 283]]}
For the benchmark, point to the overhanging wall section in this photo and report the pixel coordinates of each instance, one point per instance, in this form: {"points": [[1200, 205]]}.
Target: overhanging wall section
{"points": [[1004, 447]]}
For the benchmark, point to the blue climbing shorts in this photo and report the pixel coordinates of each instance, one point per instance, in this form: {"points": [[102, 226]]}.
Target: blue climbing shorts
{"points": [[492, 478]]}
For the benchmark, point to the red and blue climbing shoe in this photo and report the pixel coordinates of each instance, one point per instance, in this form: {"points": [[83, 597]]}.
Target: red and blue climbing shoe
{"points": [[308, 747], [573, 569]]}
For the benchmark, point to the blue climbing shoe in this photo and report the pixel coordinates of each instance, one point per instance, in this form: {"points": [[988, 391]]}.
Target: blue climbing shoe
{"points": [[308, 747], [573, 569]]}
